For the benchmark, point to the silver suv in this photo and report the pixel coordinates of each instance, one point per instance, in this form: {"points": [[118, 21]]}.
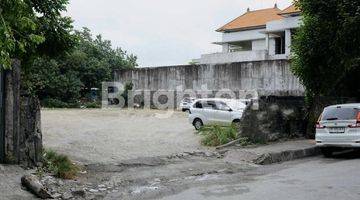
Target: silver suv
{"points": [[338, 127]]}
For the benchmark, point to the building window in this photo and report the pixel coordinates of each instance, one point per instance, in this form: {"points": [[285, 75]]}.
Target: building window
{"points": [[280, 44], [240, 46]]}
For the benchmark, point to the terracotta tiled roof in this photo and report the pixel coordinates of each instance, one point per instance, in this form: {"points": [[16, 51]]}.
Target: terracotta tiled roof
{"points": [[252, 20], [290, 10]]}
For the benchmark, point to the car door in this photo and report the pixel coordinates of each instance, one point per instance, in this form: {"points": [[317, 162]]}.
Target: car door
{"points": [[197, 108], [209, 111], [222, 115]]}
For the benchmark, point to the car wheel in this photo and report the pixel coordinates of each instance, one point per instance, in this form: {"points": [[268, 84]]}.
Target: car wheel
{"points": [[198, 124], [327, 152]]}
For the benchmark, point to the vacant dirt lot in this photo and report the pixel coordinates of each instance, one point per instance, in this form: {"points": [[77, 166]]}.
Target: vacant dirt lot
{"points": [[108, 136]]}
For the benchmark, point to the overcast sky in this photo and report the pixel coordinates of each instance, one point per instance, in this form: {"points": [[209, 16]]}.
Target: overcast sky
{"points": [[162, 32]]}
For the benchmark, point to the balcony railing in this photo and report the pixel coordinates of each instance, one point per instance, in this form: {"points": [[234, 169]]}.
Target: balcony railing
{"points": [[239, 56]]}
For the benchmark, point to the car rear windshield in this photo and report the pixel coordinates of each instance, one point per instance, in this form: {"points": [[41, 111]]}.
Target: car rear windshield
{"points": [[339, 113]]}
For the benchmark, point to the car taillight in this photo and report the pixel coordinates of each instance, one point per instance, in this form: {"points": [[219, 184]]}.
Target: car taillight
{"points": [[357, 125], [318, 125]]}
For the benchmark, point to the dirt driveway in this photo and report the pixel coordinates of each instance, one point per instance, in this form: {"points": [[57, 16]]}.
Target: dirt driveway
{"points": [[107, 136]]}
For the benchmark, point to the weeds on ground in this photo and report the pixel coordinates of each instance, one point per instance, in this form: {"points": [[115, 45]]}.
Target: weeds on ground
{"points": [[215, 135], [60, 165], [55, 103], [92, 105], [244, 141]]}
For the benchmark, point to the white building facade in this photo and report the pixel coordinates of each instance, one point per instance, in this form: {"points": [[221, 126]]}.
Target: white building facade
{"points": [[257, 35]]}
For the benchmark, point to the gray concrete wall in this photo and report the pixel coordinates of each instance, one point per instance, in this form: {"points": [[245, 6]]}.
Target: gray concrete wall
{"points": [[272, 77]]}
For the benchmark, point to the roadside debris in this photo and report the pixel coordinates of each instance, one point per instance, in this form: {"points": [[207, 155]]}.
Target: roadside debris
{"points": [[32, 183], [228, 144]]}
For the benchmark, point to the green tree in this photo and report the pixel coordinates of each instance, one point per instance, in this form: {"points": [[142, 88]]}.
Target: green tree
{"points": [[29, 28], [326, 53], [68, 78], [96, 59], [327, 48]]}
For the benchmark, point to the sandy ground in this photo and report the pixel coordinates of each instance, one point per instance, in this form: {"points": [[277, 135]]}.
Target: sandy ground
{"points": [[108, 136]]}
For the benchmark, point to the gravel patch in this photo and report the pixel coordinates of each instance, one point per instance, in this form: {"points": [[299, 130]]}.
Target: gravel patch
{"points": [[112, 135]]}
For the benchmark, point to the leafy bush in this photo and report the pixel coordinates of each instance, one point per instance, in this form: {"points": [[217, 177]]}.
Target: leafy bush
{"points": [[92, 104], [60, 165], [55, 103], [125, 94], [217, 135]]}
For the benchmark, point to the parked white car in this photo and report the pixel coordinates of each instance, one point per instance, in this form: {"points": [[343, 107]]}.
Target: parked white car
{"points": [[338, 127], [215, 111], [186, 103]]}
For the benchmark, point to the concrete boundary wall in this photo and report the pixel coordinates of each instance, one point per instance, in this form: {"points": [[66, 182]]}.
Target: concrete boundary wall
{"points": [[272, 77]]}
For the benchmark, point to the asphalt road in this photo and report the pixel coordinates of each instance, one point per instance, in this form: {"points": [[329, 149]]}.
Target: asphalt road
{"points": [[314, 178]]}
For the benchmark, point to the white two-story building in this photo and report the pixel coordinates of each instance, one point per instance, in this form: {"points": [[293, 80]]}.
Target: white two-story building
{"points": [[256, 35]]}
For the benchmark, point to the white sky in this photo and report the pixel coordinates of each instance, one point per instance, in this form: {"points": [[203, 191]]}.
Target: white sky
{"points": [[162, 32]]}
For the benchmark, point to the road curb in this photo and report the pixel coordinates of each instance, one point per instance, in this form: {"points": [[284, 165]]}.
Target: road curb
{"points": [[288, 155]]}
